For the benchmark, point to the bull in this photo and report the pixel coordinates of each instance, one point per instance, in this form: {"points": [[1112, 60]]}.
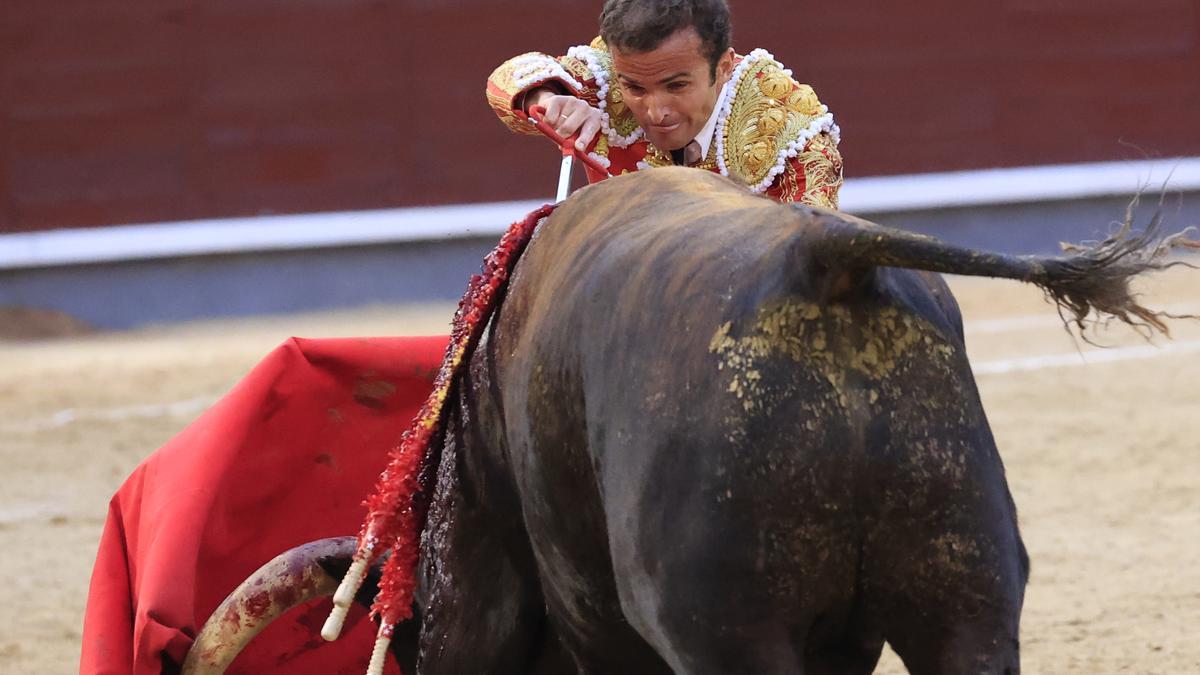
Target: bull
{"points": [[709, 433]]}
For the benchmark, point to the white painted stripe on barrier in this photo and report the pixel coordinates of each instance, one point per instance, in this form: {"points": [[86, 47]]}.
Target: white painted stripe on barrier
{"points": [[1019, 185], [353, 228], [1088, 358], [259, 233]]}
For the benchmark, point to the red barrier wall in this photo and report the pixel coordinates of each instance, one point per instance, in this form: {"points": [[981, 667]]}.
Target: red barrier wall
{"points": [[118, 111]]}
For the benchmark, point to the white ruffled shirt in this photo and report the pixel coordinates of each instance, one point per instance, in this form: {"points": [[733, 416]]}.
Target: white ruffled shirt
{"points": [[705, 138]]}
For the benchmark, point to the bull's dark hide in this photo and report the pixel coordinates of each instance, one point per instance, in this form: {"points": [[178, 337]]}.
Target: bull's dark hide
{"points": [[696, 442]]}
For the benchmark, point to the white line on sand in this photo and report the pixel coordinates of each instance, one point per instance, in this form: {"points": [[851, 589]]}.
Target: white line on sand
{"points": [[1047, 319], [186, 407], [192, 406], [11, 514], [1088, 358]]}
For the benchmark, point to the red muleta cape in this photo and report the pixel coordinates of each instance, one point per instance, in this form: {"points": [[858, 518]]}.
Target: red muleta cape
{"points": [[284, 458]]}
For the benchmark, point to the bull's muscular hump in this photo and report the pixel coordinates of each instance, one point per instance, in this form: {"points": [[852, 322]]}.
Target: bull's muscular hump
{"points": [[726, 464]]}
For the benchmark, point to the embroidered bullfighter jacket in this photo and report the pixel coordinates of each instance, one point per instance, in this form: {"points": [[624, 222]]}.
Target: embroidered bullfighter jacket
{"points": [[772, 133]]}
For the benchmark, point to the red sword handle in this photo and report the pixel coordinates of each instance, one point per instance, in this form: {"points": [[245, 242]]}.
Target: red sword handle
{"points": [[566, 145]]}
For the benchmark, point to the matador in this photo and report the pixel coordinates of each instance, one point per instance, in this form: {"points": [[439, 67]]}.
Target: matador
{"points": [[642, 85]]}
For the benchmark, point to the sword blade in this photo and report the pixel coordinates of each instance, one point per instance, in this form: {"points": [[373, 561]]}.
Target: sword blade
{"points": [[564, 177]]}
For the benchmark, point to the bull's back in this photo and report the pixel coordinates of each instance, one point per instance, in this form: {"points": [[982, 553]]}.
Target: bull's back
{"points": [[685, 410]]}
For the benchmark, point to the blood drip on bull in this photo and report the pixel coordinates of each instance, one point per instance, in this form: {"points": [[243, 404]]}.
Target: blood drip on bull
{"points": [[397, 508]]}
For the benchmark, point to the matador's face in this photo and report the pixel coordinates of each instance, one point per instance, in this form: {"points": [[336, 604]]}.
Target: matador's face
{"points": [[669, 89]]}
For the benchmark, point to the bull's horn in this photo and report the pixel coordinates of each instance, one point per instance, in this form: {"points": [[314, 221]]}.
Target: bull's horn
{"points": [[292, 578]]}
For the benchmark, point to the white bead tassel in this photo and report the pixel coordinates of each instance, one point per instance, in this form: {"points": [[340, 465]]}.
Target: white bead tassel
{"points": [[344, 597], [379, 654]]}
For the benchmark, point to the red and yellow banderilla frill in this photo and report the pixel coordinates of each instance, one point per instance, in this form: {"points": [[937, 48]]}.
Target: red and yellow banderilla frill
{"points": [[397, 509]]}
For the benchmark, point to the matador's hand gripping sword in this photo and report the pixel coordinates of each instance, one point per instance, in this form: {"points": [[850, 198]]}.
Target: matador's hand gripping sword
{"points": [[569, 151]]}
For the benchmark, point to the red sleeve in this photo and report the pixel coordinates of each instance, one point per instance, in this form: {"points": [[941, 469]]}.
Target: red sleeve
{"points": [[508, 84]]}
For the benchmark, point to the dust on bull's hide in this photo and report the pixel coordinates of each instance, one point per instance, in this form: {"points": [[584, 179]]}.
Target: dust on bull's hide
{"points": [[861, 368], [836, 343]]}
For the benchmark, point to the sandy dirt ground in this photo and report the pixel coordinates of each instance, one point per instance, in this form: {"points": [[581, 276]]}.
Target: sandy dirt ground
{"points": [[1101, 460]]}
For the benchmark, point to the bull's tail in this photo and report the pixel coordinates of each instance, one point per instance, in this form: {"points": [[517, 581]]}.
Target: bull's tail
{"points": [[1089, 278]]}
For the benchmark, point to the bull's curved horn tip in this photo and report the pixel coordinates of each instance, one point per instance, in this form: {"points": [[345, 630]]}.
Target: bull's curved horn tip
{"points": [[379, 653]]}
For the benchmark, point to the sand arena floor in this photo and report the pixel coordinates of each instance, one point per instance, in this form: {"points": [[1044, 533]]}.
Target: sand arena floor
{"points": [[1101, 460]]}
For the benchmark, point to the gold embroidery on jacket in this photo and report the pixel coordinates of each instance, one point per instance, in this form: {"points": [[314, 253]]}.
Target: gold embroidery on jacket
{"points": [[769, 110], [822, 172], [788, 183]]}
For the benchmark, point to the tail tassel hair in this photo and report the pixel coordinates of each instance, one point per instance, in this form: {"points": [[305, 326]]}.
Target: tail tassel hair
{"points": [[1093, 279]]}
